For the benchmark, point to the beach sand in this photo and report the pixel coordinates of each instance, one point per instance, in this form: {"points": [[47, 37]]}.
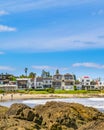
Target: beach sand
{"points": [[18, 96]]}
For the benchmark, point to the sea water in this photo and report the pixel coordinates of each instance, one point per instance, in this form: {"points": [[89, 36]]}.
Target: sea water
{"points": [[90, 102]]}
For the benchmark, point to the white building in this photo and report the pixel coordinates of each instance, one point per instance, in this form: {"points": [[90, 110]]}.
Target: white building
{"points": [[65, 81], [85, 82], [39, 83], [42, 83], [24, 83]]}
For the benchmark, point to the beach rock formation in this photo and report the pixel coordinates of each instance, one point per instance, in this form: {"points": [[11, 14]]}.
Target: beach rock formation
{"points": [[51, 116], [62, 116]]}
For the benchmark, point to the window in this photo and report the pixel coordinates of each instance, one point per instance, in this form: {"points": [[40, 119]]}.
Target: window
{"points": [[46, 81]]}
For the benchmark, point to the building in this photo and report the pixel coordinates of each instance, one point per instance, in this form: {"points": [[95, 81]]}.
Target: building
{"points": [[68, 81], [5, 78], [65, 81], [24, 83], [85, 82], [47, 82], [6, 84], [57, 81], [39, 83], [8, 87], [43, 83]]}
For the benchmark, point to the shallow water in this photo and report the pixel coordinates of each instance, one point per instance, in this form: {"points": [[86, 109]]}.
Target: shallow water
{"points": [[93, 102]]}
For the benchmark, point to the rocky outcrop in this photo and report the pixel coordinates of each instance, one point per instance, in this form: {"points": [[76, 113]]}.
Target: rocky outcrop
{"points": [[60, 116], [21, 111], [51, 116]]}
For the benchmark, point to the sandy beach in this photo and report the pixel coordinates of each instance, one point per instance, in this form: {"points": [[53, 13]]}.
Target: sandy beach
{"points": [[18, 96]]}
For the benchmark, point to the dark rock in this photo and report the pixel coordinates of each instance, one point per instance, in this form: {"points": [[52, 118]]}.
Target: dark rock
{"points": [[68, 115], [51, 116], [16, 109]]}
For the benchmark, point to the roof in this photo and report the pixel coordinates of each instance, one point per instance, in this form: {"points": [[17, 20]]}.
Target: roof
{"points": [[67, 74], [58, 75], [48, 78]]}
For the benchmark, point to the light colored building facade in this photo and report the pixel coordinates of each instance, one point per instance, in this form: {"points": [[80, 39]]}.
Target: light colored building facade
{"points": [[66, 81], [43, 83], [24, 83], [85, 82]]}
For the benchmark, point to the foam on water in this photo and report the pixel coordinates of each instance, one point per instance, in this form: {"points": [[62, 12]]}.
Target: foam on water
{"points": [[96, 99], [90, 102]]}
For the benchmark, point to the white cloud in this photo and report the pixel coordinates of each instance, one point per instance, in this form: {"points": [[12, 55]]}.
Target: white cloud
{"points": [[88, 65], [24, 5], [41, 42], [6, 68], [4, 28], [45, 67], [2, 12]]}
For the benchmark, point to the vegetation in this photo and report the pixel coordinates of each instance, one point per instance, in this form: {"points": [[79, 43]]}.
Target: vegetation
{"points": [[1, 91], [26, 69], [58, 91], [32, 75], [50, 90]]}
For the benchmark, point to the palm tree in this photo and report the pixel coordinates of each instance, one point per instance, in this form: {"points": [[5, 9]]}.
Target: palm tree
{"points": [[26, 69]]}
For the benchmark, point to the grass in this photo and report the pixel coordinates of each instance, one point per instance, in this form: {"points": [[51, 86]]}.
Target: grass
{"points": [[70, 91], [47, 91], [60, 92]]}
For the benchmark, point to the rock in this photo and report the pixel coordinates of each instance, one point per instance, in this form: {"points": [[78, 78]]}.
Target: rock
{"points": [[21, 111], [59, 115], [51, 116], [96, 125], [16, 109]]}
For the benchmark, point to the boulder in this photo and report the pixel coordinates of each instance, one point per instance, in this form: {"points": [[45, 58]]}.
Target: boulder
{"points": [[21, 111], [60, 115], [16, 109], [51, 116]]}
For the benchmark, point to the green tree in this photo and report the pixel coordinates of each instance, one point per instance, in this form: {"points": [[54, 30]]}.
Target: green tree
{"points": [[26, 69], [32, 75], [77, 82], [57, 71]]}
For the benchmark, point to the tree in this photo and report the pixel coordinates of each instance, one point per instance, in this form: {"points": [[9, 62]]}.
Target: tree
{"points": [[77, 82], [32, 75], [12, 78], [26, 69], [57, 71]]}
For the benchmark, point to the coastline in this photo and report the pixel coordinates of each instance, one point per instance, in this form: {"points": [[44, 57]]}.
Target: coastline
{"points": [[19, 96]]}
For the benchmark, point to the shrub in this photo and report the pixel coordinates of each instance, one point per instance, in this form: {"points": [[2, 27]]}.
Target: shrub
{"points": [[50, 90]]}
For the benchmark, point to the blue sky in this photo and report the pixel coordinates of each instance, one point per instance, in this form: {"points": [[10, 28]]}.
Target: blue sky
{"points": [[51, 34]]}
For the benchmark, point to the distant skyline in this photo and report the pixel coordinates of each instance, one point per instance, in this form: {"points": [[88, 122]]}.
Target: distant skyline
{"points": [[52, 34]]}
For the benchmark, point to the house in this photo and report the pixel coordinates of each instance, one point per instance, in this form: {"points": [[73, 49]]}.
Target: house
{"points": [[43, 83], [8, 87], [24, 83], [68, 82], [5, 78], [65, 81], [6, 84], [57, 81], [86, 83], [39, 83], [47, 82]]}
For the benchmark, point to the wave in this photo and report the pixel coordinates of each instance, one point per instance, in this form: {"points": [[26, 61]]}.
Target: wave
{"points": [[96, 99]]}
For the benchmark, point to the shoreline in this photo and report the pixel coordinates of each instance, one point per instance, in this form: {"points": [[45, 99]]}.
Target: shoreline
{"points": [[19, 96]]}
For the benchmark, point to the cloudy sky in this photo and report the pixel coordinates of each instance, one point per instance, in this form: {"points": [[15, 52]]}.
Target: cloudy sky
{"points": [[51, 34]]}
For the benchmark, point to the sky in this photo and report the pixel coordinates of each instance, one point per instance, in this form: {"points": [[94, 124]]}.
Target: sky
{"points": [[52, 34]]}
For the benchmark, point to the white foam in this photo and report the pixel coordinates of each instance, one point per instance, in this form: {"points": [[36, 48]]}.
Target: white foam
{"points": [[96, 99], [42, 101]]}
